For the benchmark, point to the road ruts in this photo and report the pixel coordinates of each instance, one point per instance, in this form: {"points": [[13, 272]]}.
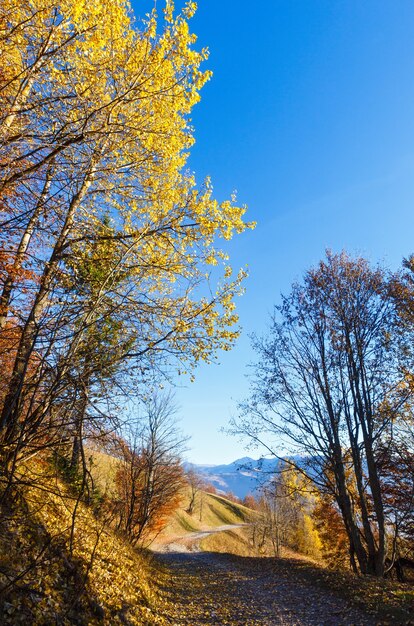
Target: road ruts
{"points": [[220, 590]]}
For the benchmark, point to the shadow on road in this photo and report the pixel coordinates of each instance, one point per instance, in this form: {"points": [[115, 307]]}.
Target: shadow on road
{"points": [[212, 588]]}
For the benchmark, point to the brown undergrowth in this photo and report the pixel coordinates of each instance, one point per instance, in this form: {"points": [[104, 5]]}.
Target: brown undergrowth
{"points": [[389, 601], [57, 568]]}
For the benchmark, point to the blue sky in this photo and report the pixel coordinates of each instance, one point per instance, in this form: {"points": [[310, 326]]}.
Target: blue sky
{"points": [[309, 116]]}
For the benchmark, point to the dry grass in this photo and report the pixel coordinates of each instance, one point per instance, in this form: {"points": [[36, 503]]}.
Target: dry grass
{"points": [[101, 580], [211, 511], [103, 468], [235, 541]]}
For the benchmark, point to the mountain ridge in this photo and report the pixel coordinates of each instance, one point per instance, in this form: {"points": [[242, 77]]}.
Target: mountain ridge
{"points": [[241, 477]]}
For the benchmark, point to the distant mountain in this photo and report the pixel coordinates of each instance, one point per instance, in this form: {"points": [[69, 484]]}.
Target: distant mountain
{"points": [[241, 477]]}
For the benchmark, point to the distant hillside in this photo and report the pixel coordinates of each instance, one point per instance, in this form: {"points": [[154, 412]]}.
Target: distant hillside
{"points": [[211, 512]]}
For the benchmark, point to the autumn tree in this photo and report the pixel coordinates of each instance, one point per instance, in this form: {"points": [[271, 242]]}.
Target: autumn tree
{"points": [[286, 508], [250, 502], [150, 478], [229, 495], [210, 488], [397, 451], [196, 484], [92, 275], [328, 384], [96, 123], [334, 544], [402, 292], [396, 467]]}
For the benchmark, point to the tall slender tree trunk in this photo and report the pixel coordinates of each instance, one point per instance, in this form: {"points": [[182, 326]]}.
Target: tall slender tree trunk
{"points": [[12, 404], [80, 417], [345, 505], [9, 283]]}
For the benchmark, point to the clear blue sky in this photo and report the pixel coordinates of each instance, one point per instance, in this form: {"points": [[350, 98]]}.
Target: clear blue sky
{"points": [[310, 117]]}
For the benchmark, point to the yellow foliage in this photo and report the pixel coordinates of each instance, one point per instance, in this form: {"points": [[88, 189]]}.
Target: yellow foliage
{"points": [[102, 580], [121, 99]]}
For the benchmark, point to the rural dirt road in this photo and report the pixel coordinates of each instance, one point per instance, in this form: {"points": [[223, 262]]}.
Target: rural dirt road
{"points": [[190, 542], [207, 588]]}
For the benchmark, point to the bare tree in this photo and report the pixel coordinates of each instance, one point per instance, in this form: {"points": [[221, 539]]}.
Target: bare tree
{"points": [[196, 484], [150, 479], [328, 386]]}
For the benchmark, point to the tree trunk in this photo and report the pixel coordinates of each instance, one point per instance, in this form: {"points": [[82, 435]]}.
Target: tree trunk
{"points": [[22, 249], [11, 408]]}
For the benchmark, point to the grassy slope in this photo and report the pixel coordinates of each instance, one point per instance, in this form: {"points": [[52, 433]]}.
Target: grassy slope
{"points": [[103, 468], [235, 541], [58, 585], [211, 511]]}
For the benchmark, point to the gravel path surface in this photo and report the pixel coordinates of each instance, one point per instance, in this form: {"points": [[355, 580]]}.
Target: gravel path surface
{"points": [[222, 589]]}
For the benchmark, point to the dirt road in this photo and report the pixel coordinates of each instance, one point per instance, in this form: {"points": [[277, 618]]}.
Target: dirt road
{"points": [[220, 589], [190, 542]]}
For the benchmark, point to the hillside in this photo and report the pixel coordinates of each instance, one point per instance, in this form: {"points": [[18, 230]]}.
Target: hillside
{"points": [[62, 560], [212, 512], [57, 570]]}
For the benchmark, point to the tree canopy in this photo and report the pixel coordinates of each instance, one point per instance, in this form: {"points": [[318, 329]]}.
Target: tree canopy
{"points": [[330, 387], [103, 229]]}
